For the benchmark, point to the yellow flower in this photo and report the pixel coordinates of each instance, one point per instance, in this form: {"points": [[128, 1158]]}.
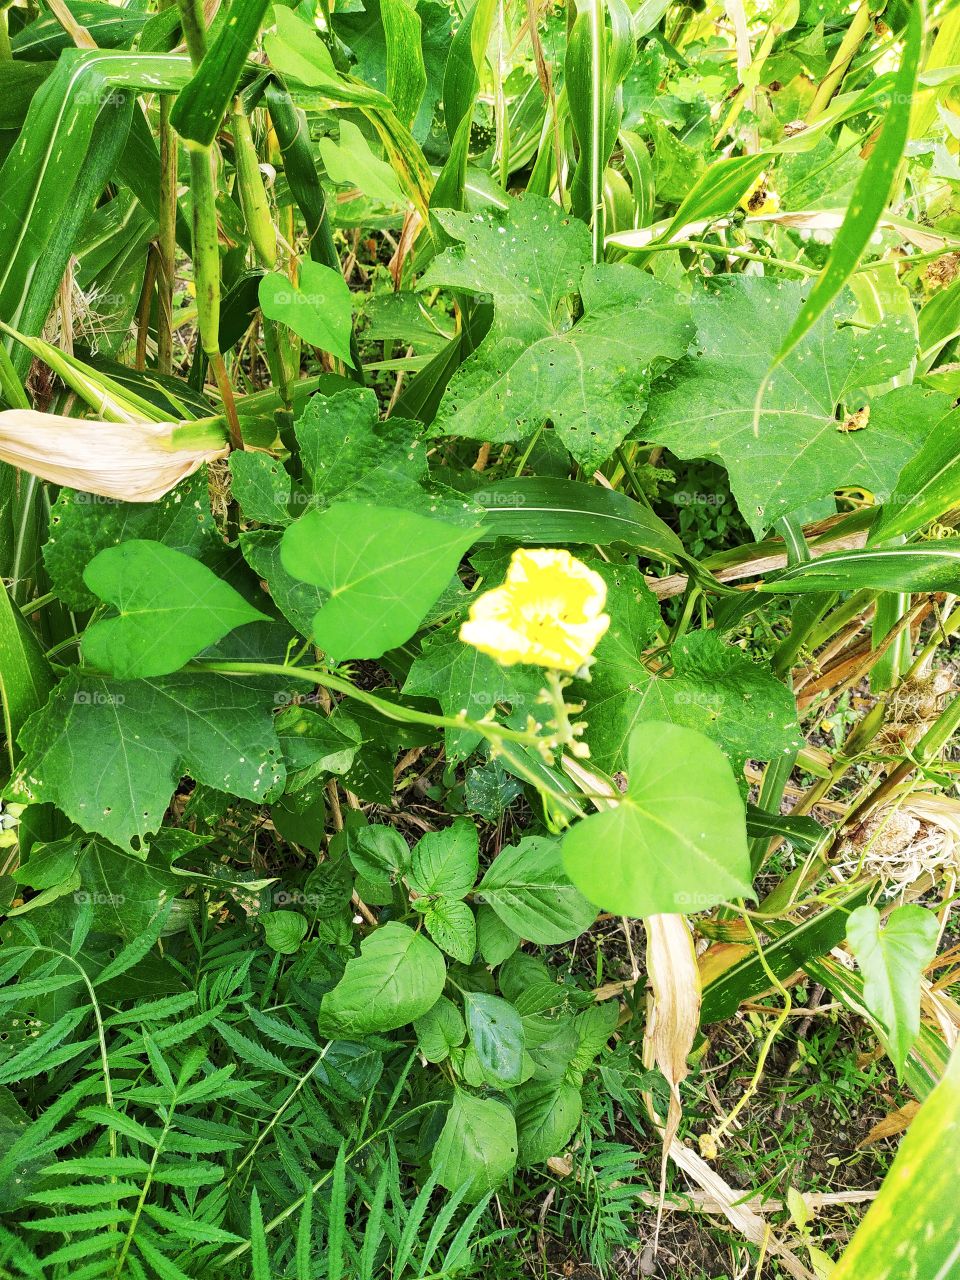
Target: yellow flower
{"points": [[760, 199], [549, 612]]}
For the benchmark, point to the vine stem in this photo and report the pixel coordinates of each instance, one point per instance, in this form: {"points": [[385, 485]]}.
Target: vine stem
{"points": [[775, 1030], [405, 715]]}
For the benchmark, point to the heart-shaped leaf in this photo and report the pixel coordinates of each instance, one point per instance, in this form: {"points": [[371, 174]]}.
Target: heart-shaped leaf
{"points": [[383, 568], [892, 960], [676, 842], [318, 309], [170, 608]]}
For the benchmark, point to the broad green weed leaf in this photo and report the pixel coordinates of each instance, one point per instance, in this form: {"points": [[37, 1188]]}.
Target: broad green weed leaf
{"points": [[496, 1034], [297, 601], [383, 568], [806, 443], [349, 455], [283, 931], [477, 1145], [496, 940], [110, 753], [676, 841], [353, 164], [548, 1112], [439, 1030], [397, 977], [170, 607], [81, 524], [446, 861], [315, 745], [528, 888], [379, 854], [261, 487], [451, 925], [892, 956], [318, 309]]}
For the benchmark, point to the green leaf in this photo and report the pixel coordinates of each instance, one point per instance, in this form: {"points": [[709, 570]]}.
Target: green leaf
{"points": [[297, 601], [496, 1033], [122, 892], [477, 1145], [613, 697], [676, 841], [315, 745], [928, 486], [397, 977], [451, 925], [914, 1223], [892, 960], [495, 939], [353, 164], [383, 568], [591, 380], [548, 1112], [201, 104], [379, 854], [872, 190], [111, 753], [318, 309], [704, 407], [349, 455], [920, 566], [170, 608], [283, 931], [462, 679], [529, 890], [446, 861], [81, 524], [25, 675], [441, 1029], [735, 702], [542, 511], [261, 487]]}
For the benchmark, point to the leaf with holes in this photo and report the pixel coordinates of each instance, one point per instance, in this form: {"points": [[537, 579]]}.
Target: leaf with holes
{"points": [[805, 446], [589, 378]]}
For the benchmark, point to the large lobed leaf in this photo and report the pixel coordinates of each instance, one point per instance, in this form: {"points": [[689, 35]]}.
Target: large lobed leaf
{"points": [[590, 379], [805, 445], [110, 753]]}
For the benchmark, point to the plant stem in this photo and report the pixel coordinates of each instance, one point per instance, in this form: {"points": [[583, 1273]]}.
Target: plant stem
{"points": [[166, 239], [488, 729], [855, 35], [194, 30]]}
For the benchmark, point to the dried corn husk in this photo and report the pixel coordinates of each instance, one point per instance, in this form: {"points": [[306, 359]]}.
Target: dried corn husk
{"points": [[126, 461]]}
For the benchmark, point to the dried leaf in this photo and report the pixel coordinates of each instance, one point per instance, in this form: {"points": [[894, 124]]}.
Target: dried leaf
{"points": [[894, 1122], [126, 461]]}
